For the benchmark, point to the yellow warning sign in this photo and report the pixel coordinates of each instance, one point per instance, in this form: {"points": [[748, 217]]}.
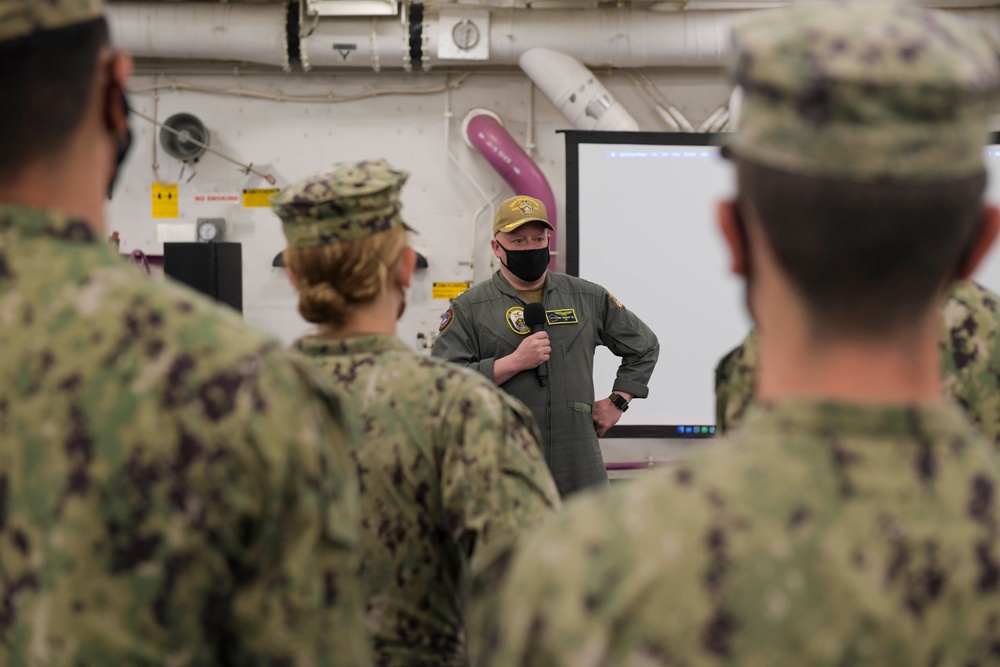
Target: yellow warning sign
{"points": [[448, 290], [165, 200], [258, 197]]}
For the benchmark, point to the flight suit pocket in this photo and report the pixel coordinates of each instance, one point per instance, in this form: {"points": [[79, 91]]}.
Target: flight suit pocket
{"points": [[579, 330], [502, 343], [581, 407]]}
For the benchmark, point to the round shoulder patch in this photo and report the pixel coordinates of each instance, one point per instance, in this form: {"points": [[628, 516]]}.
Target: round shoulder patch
{"points": [[446, 320], [515, 320]]}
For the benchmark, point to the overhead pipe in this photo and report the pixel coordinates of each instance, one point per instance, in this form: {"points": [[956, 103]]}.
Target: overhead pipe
{"points": [[264, 34], [484, 132], [375, 44], [605, 37], [268, 34], [202, 31]]}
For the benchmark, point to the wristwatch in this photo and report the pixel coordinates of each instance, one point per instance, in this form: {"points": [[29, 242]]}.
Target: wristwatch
{"points": [[619, 401]]}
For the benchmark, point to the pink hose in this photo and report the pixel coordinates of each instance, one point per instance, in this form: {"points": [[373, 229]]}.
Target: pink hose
{"points": [[514, 165]]}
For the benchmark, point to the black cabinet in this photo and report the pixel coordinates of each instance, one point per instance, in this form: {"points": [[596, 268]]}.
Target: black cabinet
{"points": [[215, 269]]}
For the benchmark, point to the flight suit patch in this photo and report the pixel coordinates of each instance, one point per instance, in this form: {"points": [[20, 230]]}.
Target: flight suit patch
{"points": [[446, 320], [561, 316], [515, 320], [615, 301]]}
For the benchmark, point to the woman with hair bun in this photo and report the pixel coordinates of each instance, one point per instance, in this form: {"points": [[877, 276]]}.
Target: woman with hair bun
{"points": [[450, 467]]}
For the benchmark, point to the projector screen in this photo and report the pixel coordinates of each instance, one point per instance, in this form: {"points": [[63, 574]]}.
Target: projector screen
{"points": [[640, 221]]}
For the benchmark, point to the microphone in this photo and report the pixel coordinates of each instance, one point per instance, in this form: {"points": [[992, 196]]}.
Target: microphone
{"points": [[534, 317]]}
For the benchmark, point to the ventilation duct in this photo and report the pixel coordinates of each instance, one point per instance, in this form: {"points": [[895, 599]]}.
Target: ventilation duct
{"points": [[576, 92], [484, 132], [265, 34], [201, 31]]}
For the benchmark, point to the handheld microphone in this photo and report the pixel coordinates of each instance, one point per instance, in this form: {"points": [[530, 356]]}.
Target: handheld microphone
{"points": [[534, 317]]}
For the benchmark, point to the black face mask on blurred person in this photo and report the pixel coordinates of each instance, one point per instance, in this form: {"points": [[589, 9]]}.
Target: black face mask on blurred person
{"points": [[123, 141], [528, 265]]}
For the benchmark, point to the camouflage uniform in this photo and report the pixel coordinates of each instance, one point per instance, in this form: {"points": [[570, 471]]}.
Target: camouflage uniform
{"points": [[734, 383], [450, 467], [874, 544], [970, 354], [174, 489], [820, 532], [970, 359]]}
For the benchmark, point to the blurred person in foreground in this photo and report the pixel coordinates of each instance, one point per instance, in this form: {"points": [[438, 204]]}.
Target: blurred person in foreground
{"points": [[174, 490], [853, 518], [450, 467]]}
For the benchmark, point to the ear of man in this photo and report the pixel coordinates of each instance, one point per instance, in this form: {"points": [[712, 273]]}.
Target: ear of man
{"points": [[407, 264], [734, 233], [982, 240], [117, 72]]}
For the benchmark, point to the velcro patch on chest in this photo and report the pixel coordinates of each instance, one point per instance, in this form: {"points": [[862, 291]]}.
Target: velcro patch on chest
{"points": [[515, 320], [561, 316]]}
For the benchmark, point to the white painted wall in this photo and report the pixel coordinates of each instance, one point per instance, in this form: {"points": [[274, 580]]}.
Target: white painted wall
{"points": [[292, 140]]}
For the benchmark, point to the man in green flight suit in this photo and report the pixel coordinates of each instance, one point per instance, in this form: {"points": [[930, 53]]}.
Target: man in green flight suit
{"points": [[970, 360], [174, 489], [485, 330], [852, 518]]}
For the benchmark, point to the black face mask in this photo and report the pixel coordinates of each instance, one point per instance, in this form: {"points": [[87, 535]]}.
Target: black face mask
{"points": [[123, 142], [528, 265]]}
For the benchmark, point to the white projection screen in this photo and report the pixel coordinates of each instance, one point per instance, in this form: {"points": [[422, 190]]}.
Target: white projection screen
{"points": [[640, 220]]}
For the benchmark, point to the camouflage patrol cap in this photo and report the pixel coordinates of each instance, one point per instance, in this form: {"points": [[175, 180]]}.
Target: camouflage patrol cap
{"points": [[20, 18], [349, 200], [517, 211], [864, 91]]}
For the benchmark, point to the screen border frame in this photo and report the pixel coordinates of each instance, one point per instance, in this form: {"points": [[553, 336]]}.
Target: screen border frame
{"points": [[572, 237], [572, 231]]}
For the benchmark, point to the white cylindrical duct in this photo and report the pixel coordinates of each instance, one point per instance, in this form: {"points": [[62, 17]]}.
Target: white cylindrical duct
{"points": [[602, 37], [735, 107], [201, 31], [357, 42], [576, 92], [606, 37]]}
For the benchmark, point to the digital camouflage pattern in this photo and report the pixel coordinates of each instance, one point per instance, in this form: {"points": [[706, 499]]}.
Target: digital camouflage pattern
{"points": [[970, 354], [734, 383], [346, 201], [864, 90], [19, 18], [970, 359], [450, 473], [820, 534], [174, 489]]}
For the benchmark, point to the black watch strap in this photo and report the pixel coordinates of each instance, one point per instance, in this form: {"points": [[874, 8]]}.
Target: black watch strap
{"points": [[619, 401]]}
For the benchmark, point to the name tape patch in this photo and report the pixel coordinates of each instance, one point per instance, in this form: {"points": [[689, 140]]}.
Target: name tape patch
{"points": [[561, 316]]}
